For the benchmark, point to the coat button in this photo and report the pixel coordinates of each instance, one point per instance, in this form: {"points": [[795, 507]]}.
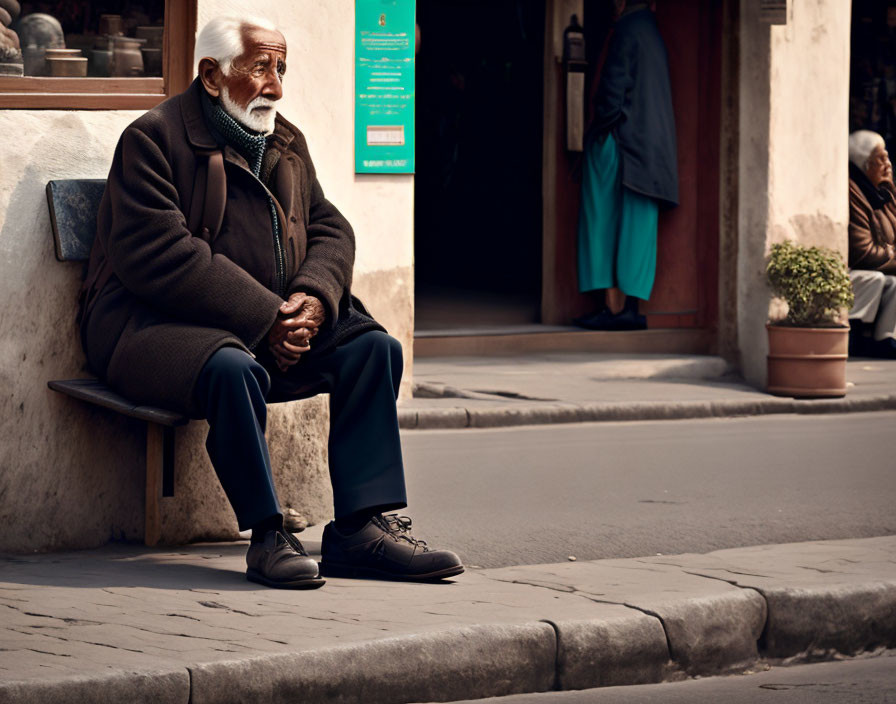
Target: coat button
{"points": [[292, 218]]}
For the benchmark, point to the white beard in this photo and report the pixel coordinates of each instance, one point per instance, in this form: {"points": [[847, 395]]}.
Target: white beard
{"points": [[259, 121]]}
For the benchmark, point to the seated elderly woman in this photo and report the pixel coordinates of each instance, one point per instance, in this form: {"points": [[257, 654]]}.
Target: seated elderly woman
{"points": [[872, 237]]}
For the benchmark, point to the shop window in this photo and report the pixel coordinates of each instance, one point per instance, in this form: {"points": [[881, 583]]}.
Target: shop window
{"points": [[110, 54]]}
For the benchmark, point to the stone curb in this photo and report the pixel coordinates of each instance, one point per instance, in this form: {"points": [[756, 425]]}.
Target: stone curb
{"points": [[495, 660], [151, 687], [693, 636], [549, 413], [476, 661]]}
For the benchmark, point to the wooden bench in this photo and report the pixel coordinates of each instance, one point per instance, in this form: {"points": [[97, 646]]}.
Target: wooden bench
{"points": [[73, 207]]}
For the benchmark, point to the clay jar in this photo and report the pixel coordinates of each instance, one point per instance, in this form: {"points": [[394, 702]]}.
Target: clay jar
{"points": [[10, 54], [68, 66], [127, 60], [152, 51], [111, 25], [152, 34], [62, 53], [12, 8], [101, 57], [40, 30]]}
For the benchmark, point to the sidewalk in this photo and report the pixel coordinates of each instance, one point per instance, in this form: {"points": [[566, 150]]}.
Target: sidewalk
{"points": [[126, 623], [484, 392]]}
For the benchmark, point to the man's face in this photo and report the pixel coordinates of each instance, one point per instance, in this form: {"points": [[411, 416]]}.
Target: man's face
{"points": [[254, 82], [879, 168]]}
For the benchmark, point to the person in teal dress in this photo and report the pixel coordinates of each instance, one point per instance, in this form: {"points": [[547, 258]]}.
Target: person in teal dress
{"points": [[630, 171]]}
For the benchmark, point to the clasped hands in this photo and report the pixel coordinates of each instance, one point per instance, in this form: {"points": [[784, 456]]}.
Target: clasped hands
{"points": [[299, 320]]}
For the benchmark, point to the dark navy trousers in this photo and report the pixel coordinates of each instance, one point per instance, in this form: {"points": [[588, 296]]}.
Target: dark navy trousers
{"points": [[362, 378]]}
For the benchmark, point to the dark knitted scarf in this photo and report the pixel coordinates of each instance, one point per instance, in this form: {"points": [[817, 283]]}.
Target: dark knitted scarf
{"points": [[252, 145]]}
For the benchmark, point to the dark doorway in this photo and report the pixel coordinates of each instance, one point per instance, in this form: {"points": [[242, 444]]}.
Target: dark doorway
{"points": [[872, 86], [479, 161]]}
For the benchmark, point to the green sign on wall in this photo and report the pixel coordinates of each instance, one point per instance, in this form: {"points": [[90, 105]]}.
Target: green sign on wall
{"points": [[385, 32]]}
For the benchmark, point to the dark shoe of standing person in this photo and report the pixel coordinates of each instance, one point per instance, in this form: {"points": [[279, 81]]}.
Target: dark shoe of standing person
{"points": [[280, 561], [605, 320], [385, 549], [595, 321]]}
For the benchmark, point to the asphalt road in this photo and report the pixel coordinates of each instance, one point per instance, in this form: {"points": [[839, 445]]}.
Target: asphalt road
{"points": [[861, 681], [603, 490]]}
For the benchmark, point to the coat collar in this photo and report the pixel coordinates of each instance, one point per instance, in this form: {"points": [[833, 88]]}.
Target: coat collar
{"points": [[199, 135]]}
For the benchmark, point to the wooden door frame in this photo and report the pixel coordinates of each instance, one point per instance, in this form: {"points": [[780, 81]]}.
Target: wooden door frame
{"points": [[556, 162], [560, 299]]}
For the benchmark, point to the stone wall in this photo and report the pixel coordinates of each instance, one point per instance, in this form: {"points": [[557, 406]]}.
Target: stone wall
{"points": [[72, 475], [792, 172]]}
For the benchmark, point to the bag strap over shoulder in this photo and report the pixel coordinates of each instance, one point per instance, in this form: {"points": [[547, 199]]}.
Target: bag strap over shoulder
{"points": [[209, 198], [215, 194]]}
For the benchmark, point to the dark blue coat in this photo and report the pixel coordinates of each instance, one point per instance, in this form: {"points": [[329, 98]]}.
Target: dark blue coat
{"points": [[634, 103]]}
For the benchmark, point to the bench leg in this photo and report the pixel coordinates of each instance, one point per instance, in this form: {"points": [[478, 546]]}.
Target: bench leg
{"points": [[168, 461], [155, 461]]}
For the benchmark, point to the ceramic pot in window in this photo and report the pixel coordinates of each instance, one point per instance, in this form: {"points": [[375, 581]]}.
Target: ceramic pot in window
{"points": [[152, 61], [10, 62], [67, 66], [40, 30], [111, 25], [12, 8], [62, 53], [101, 57], [127, 60], [35, 61], [152, 34]]}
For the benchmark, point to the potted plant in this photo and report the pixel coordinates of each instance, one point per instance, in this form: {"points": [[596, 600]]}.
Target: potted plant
{"points": [[807, 350]]}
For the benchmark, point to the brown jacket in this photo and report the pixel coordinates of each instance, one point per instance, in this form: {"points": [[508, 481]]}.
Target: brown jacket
{"points": [[176, 298], [872, 231]]}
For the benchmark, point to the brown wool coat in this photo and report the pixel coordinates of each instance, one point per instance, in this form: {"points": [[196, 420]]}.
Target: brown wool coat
{"points": [[175, 298], [872, 232]]}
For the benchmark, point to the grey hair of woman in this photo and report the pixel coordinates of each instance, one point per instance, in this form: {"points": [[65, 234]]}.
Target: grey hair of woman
{"points": [[861, 144]]}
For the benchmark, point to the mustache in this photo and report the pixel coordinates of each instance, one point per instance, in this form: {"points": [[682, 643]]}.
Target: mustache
{"points": [[261, 102]]}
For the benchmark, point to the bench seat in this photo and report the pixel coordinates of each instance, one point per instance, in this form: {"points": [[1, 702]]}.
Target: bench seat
{"points": [[96, 392]]}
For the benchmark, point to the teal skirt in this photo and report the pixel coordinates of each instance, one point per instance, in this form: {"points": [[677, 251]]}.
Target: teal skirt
{"points": [[617, 227]]}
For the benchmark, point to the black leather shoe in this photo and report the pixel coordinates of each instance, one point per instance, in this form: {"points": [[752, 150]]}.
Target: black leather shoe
{"points": [[385, 549], [595, 321], [605, 320], [281, 561]]}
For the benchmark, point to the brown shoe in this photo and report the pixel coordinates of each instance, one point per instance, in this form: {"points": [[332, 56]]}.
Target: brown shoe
{"points": [[385, 549], [280, 561]]}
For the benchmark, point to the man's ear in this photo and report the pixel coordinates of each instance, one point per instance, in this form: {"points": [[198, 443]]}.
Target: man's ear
{"points": [[210, 75]]}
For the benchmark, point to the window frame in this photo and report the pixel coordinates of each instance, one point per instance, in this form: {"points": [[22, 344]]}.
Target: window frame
{"points": [[115, 93]]}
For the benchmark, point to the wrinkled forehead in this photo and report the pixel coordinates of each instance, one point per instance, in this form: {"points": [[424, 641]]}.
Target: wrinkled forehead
{"points": [[257, 40]]}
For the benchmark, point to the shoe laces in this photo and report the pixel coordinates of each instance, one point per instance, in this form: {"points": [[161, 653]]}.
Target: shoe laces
{"points": [[293, 542], [399, 527]]}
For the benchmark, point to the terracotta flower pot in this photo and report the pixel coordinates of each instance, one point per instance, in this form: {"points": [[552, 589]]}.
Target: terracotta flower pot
{"points": [[807, 362]]}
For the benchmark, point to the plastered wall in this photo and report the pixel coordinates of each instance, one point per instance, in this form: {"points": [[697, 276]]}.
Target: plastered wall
{"points": [[72, 475], [792, 173]]}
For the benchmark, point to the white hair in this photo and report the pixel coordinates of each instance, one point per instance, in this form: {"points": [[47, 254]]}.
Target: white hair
{"points": [[221, 39], [861, 144]]}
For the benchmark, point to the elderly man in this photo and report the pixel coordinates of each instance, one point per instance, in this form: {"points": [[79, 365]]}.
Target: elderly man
{"points": [[221, 280], [872, 246]]}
